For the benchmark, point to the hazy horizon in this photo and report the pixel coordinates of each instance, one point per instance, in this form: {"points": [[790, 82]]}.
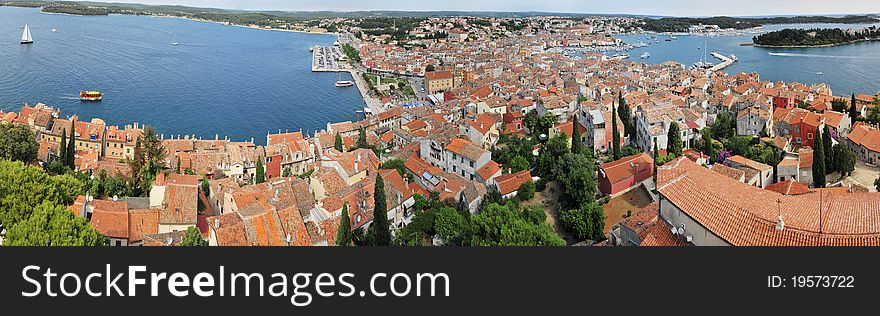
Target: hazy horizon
{"points": [[632, 7]]}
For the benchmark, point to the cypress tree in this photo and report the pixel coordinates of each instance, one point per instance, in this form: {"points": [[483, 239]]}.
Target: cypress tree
{"points": [[655, 163], [625, 114], [62, 155], [853, 113], [379, 233], [362, 138], [615, 138], [338, 143], [70, 155], [576, 144], [826, 150], [818, 160], [261, 172], [673, 137], [343, 233]]}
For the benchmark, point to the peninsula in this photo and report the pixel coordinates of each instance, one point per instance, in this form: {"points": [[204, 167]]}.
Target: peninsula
{"points": [[816, 37]]}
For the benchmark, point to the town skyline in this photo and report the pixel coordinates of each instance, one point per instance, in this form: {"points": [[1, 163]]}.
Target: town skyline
{"points": [[678, 8]]}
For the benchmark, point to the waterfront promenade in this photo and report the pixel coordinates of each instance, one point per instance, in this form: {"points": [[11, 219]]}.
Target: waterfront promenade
{"points": [[327, 59]]}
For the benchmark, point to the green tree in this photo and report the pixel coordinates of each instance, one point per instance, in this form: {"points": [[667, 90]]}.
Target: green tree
{"points": [[554, 149], [655, 154], [396, 164], [429, 68], [337, 144], [838, 105], [826, 146], [452, 226], [146, 163], [379, 233], [70, 155], [501, 225], [585, 222], [193, 238], [260, 175], [24, 187], [853, 113], [517, 164], [362, 138], [615, 136], [577, 174], [576, 143], [17, 143], [53, 225], [708, 143], [673, 140], [844, 160], [539, 125], [62, 148], [819, 161], [343, 233], [625, 114], [723, 127], [526, 191]]}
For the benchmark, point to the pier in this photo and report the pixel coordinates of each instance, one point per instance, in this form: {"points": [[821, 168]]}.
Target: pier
{"points": [[725, 61]]}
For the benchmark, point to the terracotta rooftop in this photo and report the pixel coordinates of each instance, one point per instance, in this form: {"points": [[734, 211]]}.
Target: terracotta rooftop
{"points": [[744, 215]]}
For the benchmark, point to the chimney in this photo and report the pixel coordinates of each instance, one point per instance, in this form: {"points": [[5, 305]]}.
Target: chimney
{"points": [[217, 136], [780, 223]]}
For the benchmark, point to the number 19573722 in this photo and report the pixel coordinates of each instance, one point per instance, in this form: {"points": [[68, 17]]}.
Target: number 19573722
{"points": [[811, 281]]}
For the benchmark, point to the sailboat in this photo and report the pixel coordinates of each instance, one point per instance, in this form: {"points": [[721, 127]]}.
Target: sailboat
{"points": [[26, 35], [174, 40]]}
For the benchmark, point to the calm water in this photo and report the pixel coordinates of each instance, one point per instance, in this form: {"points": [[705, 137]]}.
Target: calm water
{"points": [[234, 81], [848, 68]]}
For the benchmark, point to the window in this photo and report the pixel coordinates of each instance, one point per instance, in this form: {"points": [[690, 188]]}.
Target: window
{"points": [[472, 164]]}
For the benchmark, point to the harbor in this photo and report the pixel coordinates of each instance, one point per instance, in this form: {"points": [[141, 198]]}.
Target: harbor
{"points": [[327, 58], [332, 59]]}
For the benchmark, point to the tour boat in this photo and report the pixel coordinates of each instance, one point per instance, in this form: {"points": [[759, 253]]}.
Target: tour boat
{"points": [[90, 96], [26, 35], [342, 83]]}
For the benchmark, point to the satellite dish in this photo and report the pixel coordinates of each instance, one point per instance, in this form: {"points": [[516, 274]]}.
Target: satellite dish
{"points": [[681, 230]]}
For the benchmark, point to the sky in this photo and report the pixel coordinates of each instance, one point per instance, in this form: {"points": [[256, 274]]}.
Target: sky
{"points": [[639, 7]]}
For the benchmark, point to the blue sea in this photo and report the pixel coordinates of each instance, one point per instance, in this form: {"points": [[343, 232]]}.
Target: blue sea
{"points": [[225, 80], [848, 69]]}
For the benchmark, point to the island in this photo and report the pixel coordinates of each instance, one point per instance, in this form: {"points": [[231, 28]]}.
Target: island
{"points": [[793, 38]]}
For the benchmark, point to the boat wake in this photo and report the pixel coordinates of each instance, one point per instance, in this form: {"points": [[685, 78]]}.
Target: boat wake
{"points": [[820, 56]]}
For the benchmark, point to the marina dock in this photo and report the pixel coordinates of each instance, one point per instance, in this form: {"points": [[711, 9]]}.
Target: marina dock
{"points": [[725, 61], [326, 59]]}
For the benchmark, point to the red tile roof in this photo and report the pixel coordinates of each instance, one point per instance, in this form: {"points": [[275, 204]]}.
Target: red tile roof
{"points": [[744, 215], [619, 170], [508, 183], [789, 187]]}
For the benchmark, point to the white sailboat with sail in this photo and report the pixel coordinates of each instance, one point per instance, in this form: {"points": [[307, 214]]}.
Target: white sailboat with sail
{"points": [[26, 35], [174, 40]]}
